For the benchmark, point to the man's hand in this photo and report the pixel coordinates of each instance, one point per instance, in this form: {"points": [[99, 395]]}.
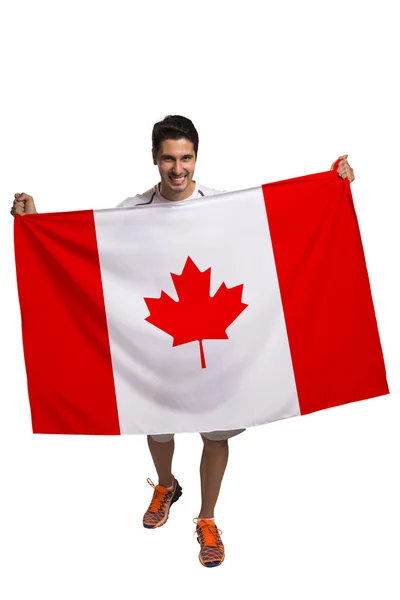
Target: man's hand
{"points": [[344, 169], [23, 205]]}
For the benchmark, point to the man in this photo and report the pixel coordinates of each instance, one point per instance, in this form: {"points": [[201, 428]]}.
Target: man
{"points": [[174, 149]]}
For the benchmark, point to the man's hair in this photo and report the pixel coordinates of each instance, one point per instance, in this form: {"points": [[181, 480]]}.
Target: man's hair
{"points": [[174, 127]]}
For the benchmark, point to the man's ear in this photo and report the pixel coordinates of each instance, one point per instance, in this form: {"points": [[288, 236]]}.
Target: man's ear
{"points": [[154, 157]]}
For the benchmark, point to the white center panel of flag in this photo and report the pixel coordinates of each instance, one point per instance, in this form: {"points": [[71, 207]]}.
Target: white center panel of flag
{"points": [[244, 380]]}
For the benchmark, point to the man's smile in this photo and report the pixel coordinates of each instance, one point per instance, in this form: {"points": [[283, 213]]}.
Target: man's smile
{"points": [[177, 180]]}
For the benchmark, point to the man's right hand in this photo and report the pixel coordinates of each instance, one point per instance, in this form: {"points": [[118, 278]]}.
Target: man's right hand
{"points": [[23, 205]]}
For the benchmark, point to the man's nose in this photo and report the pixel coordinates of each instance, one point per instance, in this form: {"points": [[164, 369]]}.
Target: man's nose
{"points": [[177, 167]]}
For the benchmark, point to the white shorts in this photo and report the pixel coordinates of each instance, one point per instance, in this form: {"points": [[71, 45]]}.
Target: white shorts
{"points": [[215, 436]]}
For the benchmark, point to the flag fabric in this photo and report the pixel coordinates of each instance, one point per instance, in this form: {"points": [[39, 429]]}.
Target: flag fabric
{"points": [[227, 312]]}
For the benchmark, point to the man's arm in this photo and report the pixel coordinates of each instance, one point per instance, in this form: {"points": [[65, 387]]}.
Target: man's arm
{"points": [[23, 205], [344, 169]]}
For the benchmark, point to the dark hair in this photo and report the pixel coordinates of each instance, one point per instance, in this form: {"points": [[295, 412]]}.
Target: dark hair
{"points": [[174, 127]]}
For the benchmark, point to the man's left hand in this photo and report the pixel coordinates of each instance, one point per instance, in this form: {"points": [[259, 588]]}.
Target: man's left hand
{"points": [[344, 169]]}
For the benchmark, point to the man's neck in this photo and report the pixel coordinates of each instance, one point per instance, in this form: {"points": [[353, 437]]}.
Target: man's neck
{"points": [[170, 195]]}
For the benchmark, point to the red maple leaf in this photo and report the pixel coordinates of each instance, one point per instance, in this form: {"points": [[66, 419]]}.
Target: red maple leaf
{"points": [[196, 316]]}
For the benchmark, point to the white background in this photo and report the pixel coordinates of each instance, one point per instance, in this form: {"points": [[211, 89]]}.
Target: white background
{"points": [[309, 507]]}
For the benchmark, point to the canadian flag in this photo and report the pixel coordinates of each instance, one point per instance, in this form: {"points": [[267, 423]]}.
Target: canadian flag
{"points": [[223, 312]]}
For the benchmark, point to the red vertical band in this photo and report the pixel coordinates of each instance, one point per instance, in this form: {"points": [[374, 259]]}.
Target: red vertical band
{"points": [[326, 297], [64, 327]]}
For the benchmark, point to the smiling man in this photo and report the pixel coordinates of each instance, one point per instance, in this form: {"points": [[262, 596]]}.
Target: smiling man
{"points": [[175, 143], [176, 163], [174, 148]]}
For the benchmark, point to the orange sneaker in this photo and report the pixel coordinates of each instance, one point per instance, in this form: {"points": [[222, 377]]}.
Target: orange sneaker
{"points": [[212, 551], [158, 511]]}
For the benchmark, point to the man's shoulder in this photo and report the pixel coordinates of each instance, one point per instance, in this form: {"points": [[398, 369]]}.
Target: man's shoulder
{"points": [[144, 198], [207, 191]]}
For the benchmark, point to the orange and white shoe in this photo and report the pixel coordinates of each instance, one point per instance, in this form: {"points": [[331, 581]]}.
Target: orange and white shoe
{"points": [[158, 511], [212, 552]]}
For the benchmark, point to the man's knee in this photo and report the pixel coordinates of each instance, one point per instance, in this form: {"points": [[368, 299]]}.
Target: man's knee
{"points": [[162, 438], [214, 445]]}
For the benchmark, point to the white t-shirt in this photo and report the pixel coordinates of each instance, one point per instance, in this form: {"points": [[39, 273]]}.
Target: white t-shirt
{"points": [[153, 196]]}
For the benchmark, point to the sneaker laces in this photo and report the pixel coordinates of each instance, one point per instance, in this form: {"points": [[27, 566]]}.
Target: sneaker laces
{"points": [[207, 531], [159, 497]]}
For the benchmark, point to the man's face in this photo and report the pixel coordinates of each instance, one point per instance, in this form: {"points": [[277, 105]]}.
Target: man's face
{"points": [[176, 161]]}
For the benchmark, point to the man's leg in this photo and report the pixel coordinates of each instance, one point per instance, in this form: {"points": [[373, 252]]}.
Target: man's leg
{"points": [[212, 468], [162, 450], [162, 453]]}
